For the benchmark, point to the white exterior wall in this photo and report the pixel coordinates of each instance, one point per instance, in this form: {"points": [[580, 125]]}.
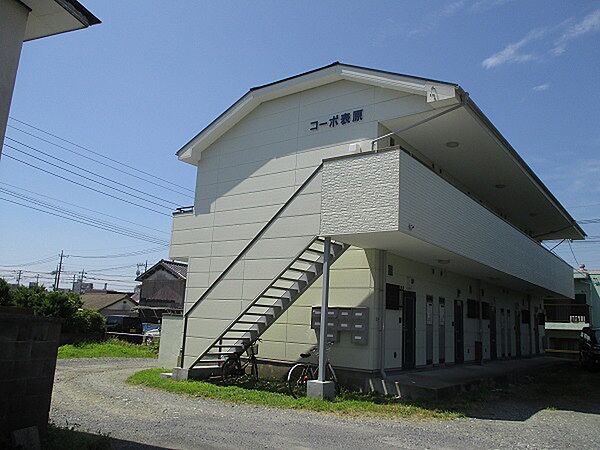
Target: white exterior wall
{"points": [[13, 21], [243, 180], [247, 174], [426, 280]]}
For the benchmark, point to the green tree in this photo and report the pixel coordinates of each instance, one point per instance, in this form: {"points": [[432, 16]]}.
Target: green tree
{"points": [[4, 293]]}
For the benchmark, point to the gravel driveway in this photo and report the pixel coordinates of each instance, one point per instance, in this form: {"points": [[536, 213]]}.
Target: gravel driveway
{"points": [[92, 394]]}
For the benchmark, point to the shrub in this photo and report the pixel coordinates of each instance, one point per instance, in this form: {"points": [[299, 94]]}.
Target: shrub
{"points": [[4, 293], [85, 321]]}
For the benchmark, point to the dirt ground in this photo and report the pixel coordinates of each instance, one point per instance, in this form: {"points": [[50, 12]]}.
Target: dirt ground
{"points": [[91, 394]]}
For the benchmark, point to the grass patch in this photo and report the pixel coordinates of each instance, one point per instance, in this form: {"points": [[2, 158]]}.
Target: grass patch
{"points": [[112, 348], [271, 393], [69, 437]]}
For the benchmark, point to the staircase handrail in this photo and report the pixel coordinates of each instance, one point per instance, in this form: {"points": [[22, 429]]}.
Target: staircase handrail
{"points": [[254, 239], [241, 255]]}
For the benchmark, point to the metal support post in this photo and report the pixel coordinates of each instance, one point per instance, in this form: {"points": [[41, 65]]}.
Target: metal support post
{"points": [[324, 308], [321, 388]]}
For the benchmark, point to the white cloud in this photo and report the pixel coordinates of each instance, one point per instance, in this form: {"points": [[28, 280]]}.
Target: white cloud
{"points": [[434, 19], [513, 52], [566, 31], [589, 24], [541, 87], [484, 5]]}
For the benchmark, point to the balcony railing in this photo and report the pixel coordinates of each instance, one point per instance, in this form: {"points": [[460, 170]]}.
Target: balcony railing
{"points": [[567, 313]]}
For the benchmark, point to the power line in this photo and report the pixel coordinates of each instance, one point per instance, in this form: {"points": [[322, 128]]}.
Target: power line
{"points": [[121, 255], [93, 220], [33, 263], [87, 178], [120, 184], [85, 186], [82, 207], [74, 220], [95, 153]]}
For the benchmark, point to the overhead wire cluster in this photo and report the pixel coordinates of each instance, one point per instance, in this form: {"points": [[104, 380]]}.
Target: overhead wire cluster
{"points": [[117, 189]]}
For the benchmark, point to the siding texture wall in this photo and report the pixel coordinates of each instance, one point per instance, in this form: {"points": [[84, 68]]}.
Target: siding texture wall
{"points": [[433, 210], [358, 199]]}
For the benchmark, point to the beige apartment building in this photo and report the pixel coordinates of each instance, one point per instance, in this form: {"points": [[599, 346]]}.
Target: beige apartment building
{"points": [[436, 226]]}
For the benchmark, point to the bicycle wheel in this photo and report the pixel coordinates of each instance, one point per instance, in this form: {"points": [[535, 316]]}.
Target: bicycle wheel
{"points": [[231, 369], [297, 378], [331, 376]]}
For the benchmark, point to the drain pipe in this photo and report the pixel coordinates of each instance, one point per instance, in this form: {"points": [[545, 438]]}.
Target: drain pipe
{"points": [[381, 293]]}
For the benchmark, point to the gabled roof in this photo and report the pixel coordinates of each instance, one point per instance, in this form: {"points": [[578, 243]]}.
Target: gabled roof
{"points": [[307, 80], [100, 300], [178, 269]]}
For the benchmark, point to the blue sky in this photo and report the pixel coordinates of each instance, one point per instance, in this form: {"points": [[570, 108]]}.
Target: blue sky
{"points": [[138, 86]]}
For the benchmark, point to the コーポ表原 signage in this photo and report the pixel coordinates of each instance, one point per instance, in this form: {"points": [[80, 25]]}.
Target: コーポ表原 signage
{"points": [[335, 120]]}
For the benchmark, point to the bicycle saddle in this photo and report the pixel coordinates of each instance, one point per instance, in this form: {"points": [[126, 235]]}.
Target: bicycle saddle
{"points": [[304, 355]]}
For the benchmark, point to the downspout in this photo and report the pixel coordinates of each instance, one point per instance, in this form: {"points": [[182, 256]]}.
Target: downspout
{"points": [[381, 293]]}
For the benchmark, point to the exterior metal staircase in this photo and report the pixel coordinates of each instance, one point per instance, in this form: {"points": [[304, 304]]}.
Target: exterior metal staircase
{"points": [[267, 306]]}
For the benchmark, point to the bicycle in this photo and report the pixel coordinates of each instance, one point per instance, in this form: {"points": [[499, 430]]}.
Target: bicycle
{"points": [[233, 368], [301, 373]]}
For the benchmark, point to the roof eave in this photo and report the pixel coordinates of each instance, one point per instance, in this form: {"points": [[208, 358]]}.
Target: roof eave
{"points": [[286, 86], [521, 162]]}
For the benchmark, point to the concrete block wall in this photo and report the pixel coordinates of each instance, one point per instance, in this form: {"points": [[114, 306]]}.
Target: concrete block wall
{"points": [[28, 349], [171, 333]]}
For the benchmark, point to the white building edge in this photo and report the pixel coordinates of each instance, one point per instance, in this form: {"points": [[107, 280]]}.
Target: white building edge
{"points": [[436, 221]]}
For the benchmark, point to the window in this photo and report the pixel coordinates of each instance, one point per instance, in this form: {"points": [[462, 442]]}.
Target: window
{"points": [[525, 316], [390, 270], [580, 299], [472, 309], [392, 142], [485, 310], [392, 296]]}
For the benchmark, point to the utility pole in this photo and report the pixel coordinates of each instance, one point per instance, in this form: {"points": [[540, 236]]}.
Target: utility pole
{"points": [[19, 277], [81, 281], [59, 270], [37, 280]]}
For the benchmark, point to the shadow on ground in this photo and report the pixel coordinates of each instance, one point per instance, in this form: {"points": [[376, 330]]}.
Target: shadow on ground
{"points": [[562, 388], [565, 387], [71, 438]]}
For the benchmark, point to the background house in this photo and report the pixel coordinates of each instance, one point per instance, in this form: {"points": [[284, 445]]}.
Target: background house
{"points": [[110, 303], [162, 290], [566, 317]]}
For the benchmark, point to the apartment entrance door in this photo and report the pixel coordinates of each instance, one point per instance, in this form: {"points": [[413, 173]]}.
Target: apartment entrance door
{"points": [[459, 333], [409, 302]]}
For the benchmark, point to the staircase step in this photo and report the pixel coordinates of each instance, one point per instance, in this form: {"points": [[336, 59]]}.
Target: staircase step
{"points": [[310, 261], [290, 279], [312, 250], [275, 300], [220, 353]]}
